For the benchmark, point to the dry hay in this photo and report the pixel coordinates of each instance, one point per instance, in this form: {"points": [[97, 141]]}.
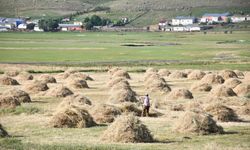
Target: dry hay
{"points": [[196, 75], [8, 101], [226, 74], [111, 71], [11, 73], [177, 107], [239, 73], [25, 76], [3, 133], [78, 83], [198, 86], [8, 81], [120, 85], [245, 110], [20, 95], [247, 76], [37, 86], [164, 72], [188, 71], [242, 89], [70, 71], [60, 91], [212, 79], [121, 73], [130, 108], [222, 91], [180, 93], [157, 84], [177, 75], [72, 117], [123, 95], [221, 113], [150, 75], [81, 76], [125, 129], [76, 100], [232, 83], [104, 113], [151, 70], [116, 80], [46, 78], [197, 123], [195, 106]]}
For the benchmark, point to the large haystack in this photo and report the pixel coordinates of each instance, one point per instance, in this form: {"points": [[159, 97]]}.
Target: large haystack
{"points": [[202, 87], [72, 117], [81, 76], [151, 70], [121, 73], [179, 93], [125, 129], [196, 75], [104, 113], [37, 86], [11, 73], [130, 108], [226, 74], [119, 86], [46, 78], [8, 81], [60, 91], [20, 95], [157, 84], [221, 113], [222, 91], [212, 79], [8, 101], [111, 71], [3, 133], [164, 72], [194, 106], [232, 83], [78, 83], [115, 81], [177, 75], [242, 89], [76, 100], [197, 123], [25, 76], [123, 95], [150, 75]]}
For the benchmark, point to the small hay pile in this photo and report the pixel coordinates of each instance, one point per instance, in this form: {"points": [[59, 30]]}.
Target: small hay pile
{"points": [[116, 80], [177, 107], [202, 87], [60, 91], [156, 83], [46, 78], [72, 117], [125, 129], [8, 81], [3, 133], [8, 101], [79, 75], [130, 108], [212, 79], [21, 96], [25, 76], [221, 113], [180, 93], [232, 83], [196, 75], [121, 73], [123, 95], [194, 106], [222, 91], [37, 86], [111, 71], [104, 113], [177, 75], [164, 72], [242, 89], [239, 73], [11, 73], [245, 110], [76, 100], [197, 123], [151, 70], [226, 74], [78, 83], [122, 85]]}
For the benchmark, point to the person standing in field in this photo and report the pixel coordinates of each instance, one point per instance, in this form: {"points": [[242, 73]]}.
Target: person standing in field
{"points": [[146, 106]]}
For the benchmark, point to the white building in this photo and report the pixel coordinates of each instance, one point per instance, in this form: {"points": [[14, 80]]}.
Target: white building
{"points": [[22, 26], [36, 28], [181, 20], [178, 29], [235, 19]]}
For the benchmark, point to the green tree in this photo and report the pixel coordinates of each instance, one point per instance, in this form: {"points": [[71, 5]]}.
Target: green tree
{"points": [[48, 24], [30, 26], [89, 26], [96, 20]]}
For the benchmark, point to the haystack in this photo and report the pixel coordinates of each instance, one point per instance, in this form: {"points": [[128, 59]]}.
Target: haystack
{"points": [[177, 107], [194, 106], [25, 76], [221, 113], [157, 84], [76, 100], [197, 123], [226, 74], [232, 82], [123, 95], [81, 76], [151, 75], [8, 81], [180, 93], [242, 89], [121, 73], [247, 76], [123, 85], [111, 71], [46, 78], [128, 107], [37, 86], [222, 91], [116, 80], [20, 95], [72, 117], [150, 70], [198, 86], [125, 129], [196, 75], [11, 73], [164, 72], [177, 75], [245, 110], [8, 101], [212, 79], [239, 73], [60, 91], [3, 133], [78, 83], [104, 113]]}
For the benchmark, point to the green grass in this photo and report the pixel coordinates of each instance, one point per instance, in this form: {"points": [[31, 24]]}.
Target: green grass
{"points": [[19, 110]]}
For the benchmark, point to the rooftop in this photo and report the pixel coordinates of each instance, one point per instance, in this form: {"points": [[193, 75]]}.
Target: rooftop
{"points": [[216, 14], [69, 25], [184, 17]]}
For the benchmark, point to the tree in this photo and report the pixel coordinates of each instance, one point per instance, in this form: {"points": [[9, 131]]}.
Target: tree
{"points": [[86, 20], [89, 25], [96, 20], [48, 24], [30, 26]]}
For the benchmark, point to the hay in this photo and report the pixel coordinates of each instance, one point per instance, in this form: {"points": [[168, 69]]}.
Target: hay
{"points": [[60, 91], [78, 83], [116, 80], [150, 75], [242, 89], [125, 129], [37, 86], [226, 74], [202, 87], [221, 113], [177, 107], [25, 76], [239, 73], [111, 71], [121, 73], [8, 101], [122, 95], [81, 76], [232, 83], [11, 73], [212, 79], [245, 110], [196, 75], [128, 107], [164, 72], [194, 106], [155, 84], [20, 95], [222, 91], [120, 85], [78, 100], [8, 81], [72, 117], [179, 94], [46, 78], [177, 75], [151, 70], [104, 113], [3, 133], [197, 123]]}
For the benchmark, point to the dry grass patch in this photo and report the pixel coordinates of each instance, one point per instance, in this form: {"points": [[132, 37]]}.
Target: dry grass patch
{"points": [[20, 95], [3, 133], [8, 81]]}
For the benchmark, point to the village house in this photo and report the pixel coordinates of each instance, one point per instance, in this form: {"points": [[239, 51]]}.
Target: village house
{"points": [[236, 19], [22, 26], [162, 25], [70, 27], [214, 17], [183, 20], [15, 21]]}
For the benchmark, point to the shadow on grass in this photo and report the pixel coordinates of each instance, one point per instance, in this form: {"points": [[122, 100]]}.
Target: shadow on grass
{"points": [[39, 102]]}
